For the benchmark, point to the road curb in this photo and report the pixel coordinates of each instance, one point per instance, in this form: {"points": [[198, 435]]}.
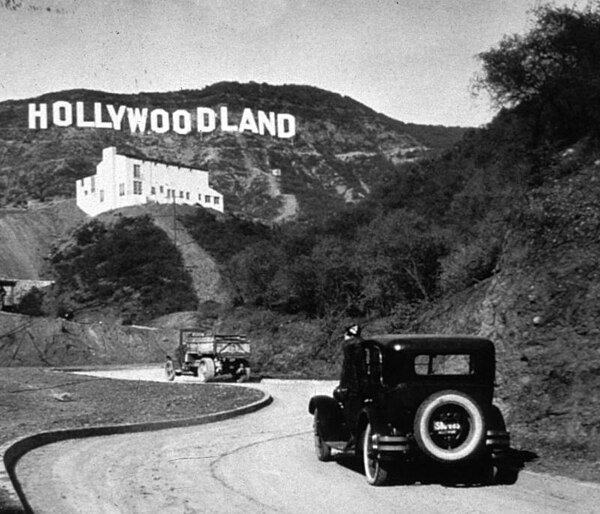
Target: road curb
{"points": [[12, 497]]}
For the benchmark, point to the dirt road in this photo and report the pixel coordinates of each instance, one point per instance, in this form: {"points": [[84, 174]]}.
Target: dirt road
{"points": [[260, 463]]}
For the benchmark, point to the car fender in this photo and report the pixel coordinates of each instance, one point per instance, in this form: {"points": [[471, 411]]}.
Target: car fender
{"points": [[371, 415], [330, 418]]}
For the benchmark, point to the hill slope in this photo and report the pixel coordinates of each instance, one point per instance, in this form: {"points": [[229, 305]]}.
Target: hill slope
{"points": [[339, 147], [208, 283], [540, 307], [27, 237]]}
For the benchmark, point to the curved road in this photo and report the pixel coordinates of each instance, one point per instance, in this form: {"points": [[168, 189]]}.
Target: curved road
{"points": [[260, 463]]}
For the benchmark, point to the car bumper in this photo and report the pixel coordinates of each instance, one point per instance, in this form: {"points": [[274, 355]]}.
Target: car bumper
{"points": [[390, 443], [497, 440]]}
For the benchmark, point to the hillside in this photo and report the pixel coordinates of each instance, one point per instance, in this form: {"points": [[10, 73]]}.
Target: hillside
{"points": [[28, 341], [207, 280], [339, 148], [498, 235], [540, 307], [27, 237]]}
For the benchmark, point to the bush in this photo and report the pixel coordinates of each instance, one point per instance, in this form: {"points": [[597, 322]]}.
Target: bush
{"points": [[469, 264], [132, 266], [32, 303]]}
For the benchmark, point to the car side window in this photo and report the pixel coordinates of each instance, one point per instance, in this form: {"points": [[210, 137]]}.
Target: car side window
{"points": [[451, 364]]}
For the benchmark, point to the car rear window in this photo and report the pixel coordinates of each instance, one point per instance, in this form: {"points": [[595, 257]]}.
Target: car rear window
{"points": [[451, 364]]}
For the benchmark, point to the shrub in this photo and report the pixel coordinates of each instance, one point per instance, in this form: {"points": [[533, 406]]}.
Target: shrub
{"points": [[32, 303]]}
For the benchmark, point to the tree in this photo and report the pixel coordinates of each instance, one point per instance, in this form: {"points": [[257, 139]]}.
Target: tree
{"points": [[337, 278], [399, 259], [32, 303], [131, 266], [253, 269], [552, 72]]}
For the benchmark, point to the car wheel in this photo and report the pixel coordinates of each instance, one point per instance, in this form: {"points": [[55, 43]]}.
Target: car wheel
{"points": [[322, 450], [170, 370], [449, 427], [206, 369], [375, 472]]}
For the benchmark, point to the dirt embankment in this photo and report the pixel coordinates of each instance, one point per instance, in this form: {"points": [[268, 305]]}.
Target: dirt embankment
{"points": [[542, 311], [30, 341], [28, 236]]}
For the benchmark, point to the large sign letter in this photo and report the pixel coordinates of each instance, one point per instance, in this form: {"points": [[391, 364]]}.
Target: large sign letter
{"points": [[182, 122], [159, 121], [206, 119], [286, 125], [62, 114], [137, 119], [38, 114]]}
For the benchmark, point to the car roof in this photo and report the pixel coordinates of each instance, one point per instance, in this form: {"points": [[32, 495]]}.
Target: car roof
{"points": [[433, 342]]}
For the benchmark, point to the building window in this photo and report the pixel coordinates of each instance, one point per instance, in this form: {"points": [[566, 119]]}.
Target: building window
{"points": [[137, 187], [121, 189], [180, 194], [137, 171], [101, 195], [93, 184], [161, 189], [199, 197], [207, 198], [152, 190], [216, 200], [82, 182], [187, 196]]}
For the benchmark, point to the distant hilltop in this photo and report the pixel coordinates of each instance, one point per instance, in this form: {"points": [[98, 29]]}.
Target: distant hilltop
{"points": [[272, 152]]}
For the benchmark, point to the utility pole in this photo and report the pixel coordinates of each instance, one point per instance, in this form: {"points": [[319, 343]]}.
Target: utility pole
{"points": [[174, 221]]}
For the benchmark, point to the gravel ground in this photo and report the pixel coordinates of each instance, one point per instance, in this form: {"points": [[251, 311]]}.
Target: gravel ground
{"points": [[37, 399]]}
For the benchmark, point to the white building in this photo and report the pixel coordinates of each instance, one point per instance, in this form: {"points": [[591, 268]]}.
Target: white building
{"points": [[121, 181]]}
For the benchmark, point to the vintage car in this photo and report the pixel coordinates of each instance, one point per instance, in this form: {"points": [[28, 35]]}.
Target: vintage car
{"points": [[408, 402]]}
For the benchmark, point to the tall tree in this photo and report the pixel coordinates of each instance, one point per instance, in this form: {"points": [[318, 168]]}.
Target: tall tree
{"points": [[552, 72]]}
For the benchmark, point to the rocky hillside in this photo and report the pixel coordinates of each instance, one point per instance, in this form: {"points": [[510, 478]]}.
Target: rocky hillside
{"points": [[27, 341], [338, 148], [27, 237], [540, 307]]}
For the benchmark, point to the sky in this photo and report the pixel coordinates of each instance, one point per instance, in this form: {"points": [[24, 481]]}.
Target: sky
{"points": [[413, 60]]}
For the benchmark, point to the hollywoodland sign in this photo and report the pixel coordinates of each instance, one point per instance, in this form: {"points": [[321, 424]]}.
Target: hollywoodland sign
{"points": [[160, 121]]}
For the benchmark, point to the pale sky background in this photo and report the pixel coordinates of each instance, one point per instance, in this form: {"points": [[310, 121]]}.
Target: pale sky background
{"points": [[413, 60]]}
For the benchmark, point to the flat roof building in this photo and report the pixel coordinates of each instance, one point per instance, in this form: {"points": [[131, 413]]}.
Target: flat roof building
{"points": [[122, 181]]}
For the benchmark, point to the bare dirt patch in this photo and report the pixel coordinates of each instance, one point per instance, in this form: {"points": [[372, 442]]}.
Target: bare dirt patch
{"points": [[37, 399]]}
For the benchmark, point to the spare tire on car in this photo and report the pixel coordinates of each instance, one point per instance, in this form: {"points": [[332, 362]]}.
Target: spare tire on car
{"points": [[449, 426]]}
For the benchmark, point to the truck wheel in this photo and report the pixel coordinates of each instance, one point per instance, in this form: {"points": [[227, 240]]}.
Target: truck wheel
{"points": [[206, 369], [323, 451], [170, 370], [374, 470], [242, 375], [449, 426]]}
